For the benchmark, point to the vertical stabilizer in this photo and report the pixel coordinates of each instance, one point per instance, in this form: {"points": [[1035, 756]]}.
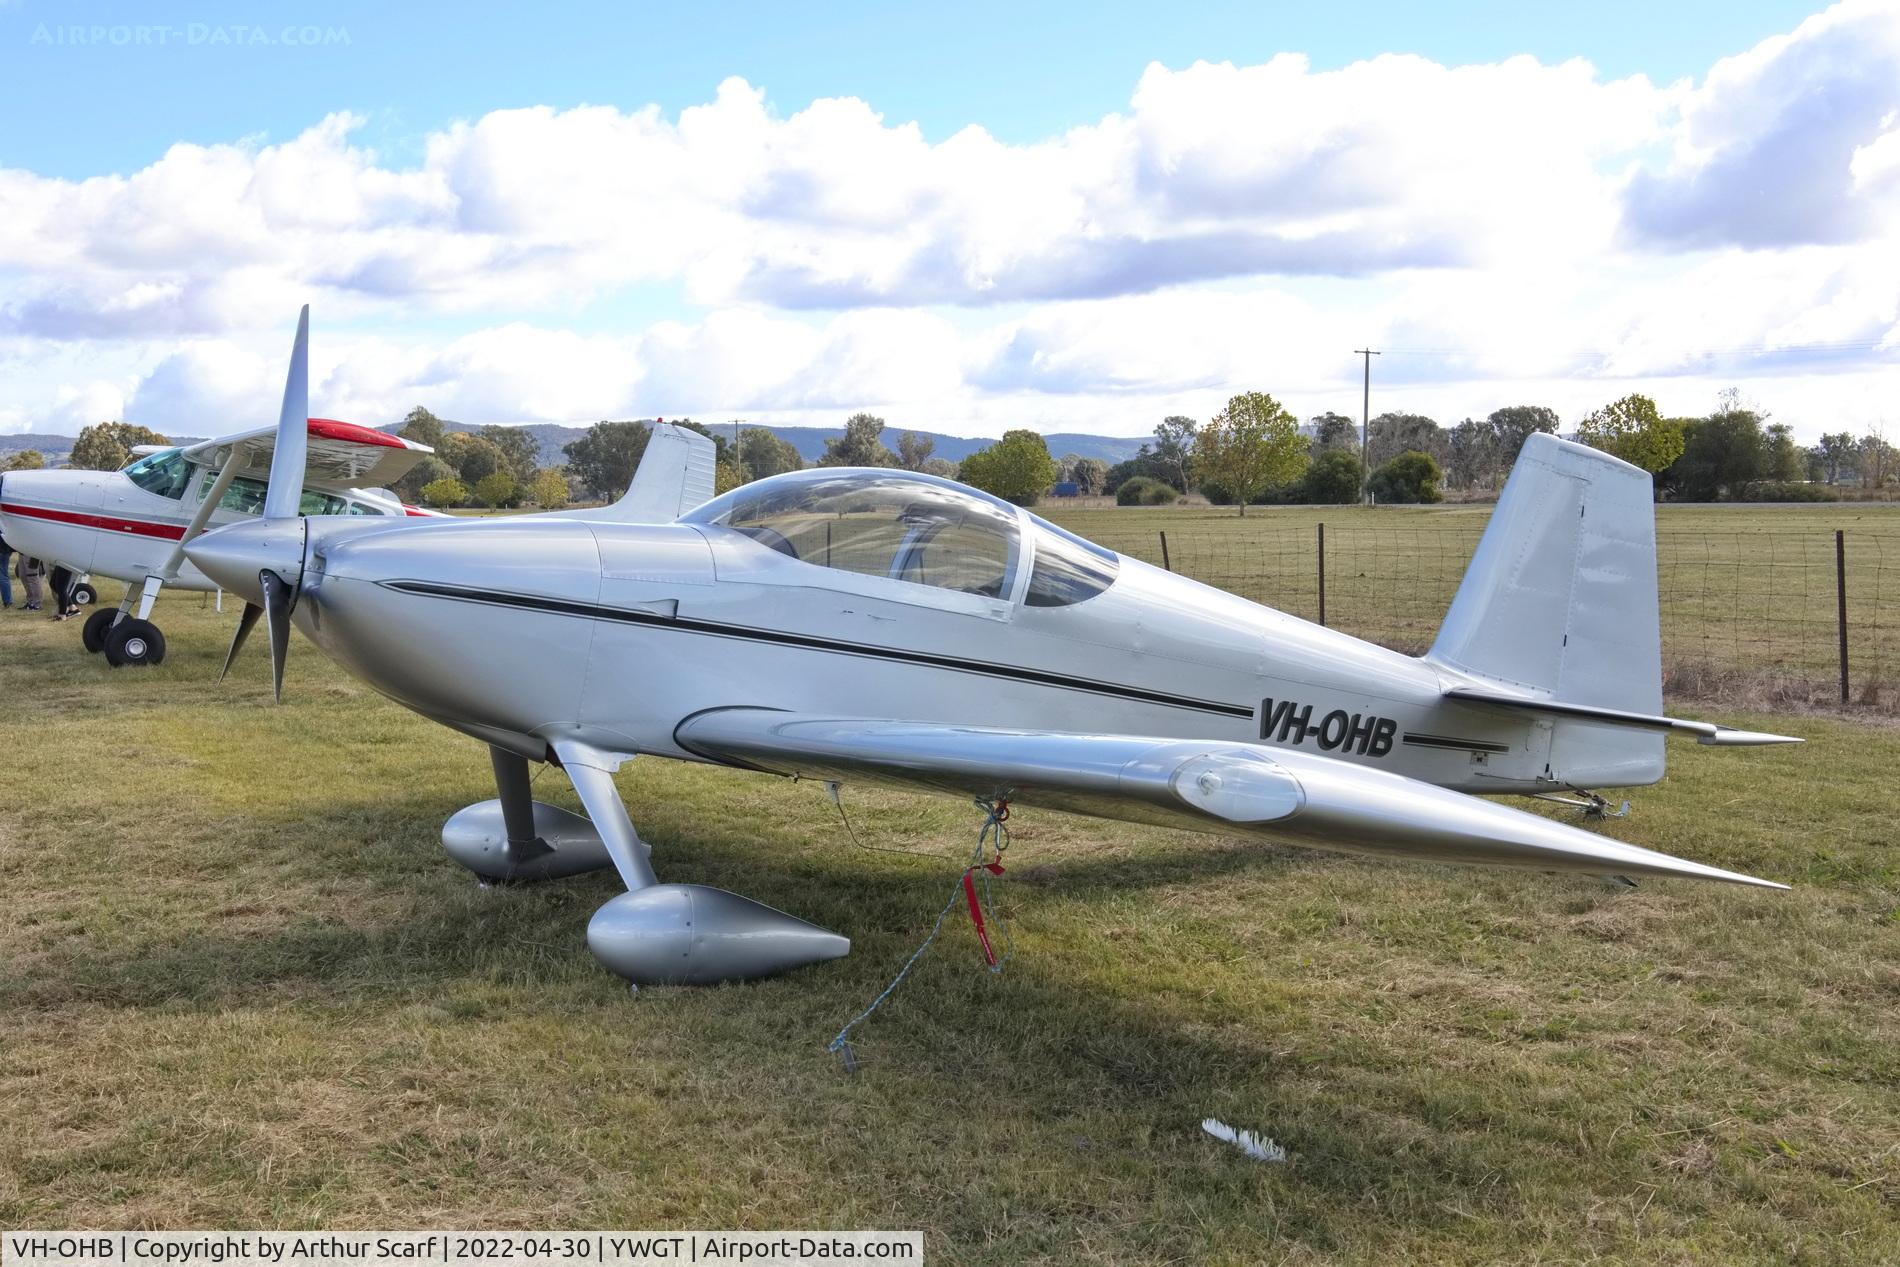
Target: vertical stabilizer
{"points": [[1560, 598], [675, 475]]}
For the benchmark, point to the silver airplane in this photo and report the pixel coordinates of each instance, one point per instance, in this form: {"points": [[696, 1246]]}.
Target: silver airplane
{"points": [[891, 627]]}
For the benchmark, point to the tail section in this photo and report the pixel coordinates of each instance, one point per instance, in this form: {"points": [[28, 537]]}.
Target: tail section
{"points": [[676, 473], [1559, 602], [1557, 619]]}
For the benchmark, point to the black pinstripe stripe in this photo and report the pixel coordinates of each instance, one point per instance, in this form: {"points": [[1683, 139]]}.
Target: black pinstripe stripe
{"points": [[594, 611]]}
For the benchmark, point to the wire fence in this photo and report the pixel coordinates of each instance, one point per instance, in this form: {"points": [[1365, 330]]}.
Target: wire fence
{"points": [[1777, 616]]}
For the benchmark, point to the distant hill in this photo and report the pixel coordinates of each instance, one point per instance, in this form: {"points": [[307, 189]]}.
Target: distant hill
{"points": [[53, 448], [809, 441]]}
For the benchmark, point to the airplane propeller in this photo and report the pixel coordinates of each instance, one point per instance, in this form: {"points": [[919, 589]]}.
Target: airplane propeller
{"points": [[246, 546]]}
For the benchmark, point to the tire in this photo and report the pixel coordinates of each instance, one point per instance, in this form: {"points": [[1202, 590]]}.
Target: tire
{"points": [[93, 633], [84, 594], [134, 642]]}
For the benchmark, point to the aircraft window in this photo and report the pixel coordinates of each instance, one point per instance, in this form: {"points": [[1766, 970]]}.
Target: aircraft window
{"points": [[1068, 568], [166, 474], [246, 496], [363, 508], [896, 524]]}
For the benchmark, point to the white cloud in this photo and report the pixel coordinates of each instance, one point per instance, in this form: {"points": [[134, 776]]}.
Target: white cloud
{"points": [[1788, 143], [1496, 226]]}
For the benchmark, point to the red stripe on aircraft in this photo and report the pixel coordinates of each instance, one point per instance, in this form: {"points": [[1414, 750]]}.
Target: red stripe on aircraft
{"points": [[138, 527], [331, 429]]}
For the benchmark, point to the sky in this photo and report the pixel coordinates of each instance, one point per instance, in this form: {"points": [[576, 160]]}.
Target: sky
{"points": [[963, 218]]}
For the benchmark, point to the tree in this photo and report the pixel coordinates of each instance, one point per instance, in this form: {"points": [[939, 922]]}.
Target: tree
{"points": [[914, 450], [24, 460], [520, 451], [1409, 478], [107, 446], [421, 426], [859, 445], [943, 467], [1838, 454], [1252, 445], [1141, 490], [1877, 457], [444, 493], [1334, 479], [1144, 465], [764, 455], [1515, 424], [420, 476], [1632, 430], [1016, 468], [1721, 456], [1784, 455], [606, 457], [497, 488], [1174, 449], [549, 489], [474, 457], [1090, 475], [728, 476], [1474, 454], [1390, 434], [1334, 431]]}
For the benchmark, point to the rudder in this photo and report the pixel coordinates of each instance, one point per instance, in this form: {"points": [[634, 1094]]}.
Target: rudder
{"points": [[1560, 598]]}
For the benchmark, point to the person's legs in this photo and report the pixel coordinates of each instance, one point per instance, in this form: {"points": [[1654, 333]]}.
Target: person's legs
{"points": [[63, 584], [33, 597], [6, 581]]}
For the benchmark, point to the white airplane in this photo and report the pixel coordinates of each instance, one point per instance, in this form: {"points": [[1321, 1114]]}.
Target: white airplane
{"points": [[892, 627], [133, 524]]}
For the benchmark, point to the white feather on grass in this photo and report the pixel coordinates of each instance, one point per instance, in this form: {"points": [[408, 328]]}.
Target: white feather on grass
{"points": [[1255, 1146]]}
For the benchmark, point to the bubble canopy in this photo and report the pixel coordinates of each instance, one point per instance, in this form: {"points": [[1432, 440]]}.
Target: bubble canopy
{"points": [[908, 526]]}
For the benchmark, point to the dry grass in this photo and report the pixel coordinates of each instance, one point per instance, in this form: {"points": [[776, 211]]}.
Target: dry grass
{"points": [[240, 984]]}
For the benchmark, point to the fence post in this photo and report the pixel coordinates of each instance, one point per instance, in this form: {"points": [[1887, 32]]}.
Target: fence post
{"points": [[1164, 552], [1840, 600], [1322, 572]]}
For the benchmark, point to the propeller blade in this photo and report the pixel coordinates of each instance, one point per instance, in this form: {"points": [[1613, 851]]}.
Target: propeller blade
{"points": [[283, 496], [280, 596], [246, 623]]}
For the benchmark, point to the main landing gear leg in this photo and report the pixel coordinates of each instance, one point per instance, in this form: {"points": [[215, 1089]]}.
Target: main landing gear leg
{"points": [[517, 837], [679, 934]]}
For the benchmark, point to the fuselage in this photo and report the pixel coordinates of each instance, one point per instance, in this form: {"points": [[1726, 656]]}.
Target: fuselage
{"points": [[525, 631], [126, 524]]}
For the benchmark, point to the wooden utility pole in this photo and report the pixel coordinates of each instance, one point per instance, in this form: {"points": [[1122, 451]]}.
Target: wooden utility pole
{"points": [[1365, 418]]}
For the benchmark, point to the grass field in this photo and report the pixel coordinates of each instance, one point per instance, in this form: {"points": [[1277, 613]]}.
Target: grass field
{"points": [[1748, 592], [241, 984]]}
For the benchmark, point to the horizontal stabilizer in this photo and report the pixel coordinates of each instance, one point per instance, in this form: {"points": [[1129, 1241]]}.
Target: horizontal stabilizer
{"points": [[1704, 732]]}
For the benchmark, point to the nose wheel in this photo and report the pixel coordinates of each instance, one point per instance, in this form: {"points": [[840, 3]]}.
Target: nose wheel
{"points": [[131, 642]]}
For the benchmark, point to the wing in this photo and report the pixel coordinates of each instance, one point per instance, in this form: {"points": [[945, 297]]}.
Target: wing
{"points": [[341, 454], [1238, 789]]}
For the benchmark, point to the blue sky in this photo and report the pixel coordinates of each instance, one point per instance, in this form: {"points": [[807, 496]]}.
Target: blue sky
{"points": [[967, 218], [82, 106]]}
